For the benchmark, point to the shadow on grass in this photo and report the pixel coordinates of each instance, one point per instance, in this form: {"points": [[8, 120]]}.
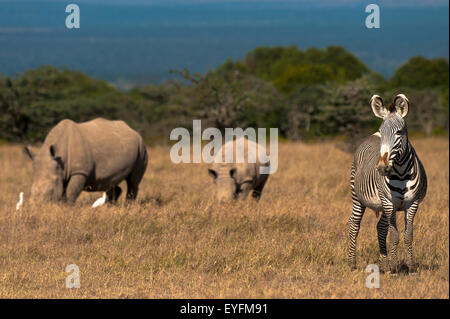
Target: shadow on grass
{"points": [[157, 200], [403, 268]]}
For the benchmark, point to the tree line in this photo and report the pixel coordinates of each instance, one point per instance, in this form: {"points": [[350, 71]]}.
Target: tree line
{"points": [[307, 94]]}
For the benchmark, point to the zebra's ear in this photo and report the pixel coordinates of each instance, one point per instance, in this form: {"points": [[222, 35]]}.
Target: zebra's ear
{"points": [[401, 104], [376, 102]]}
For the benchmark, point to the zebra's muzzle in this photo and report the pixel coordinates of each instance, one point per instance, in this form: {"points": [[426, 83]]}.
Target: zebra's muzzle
{"points": [[384, 166], [384, 170]]}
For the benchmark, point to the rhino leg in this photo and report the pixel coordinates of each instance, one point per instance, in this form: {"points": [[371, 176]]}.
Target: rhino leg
{"points": [[74, 188], [245, 190], [136, 175], [113, 194], [257, 190], [132, 189], [133, 181]]}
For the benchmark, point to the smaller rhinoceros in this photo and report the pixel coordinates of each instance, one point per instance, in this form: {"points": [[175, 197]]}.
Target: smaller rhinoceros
{"points": [[93, 156], [237, 180]]}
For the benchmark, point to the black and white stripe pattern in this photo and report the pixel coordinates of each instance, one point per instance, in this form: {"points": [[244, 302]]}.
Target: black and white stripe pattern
{"points": [[387, 176]]}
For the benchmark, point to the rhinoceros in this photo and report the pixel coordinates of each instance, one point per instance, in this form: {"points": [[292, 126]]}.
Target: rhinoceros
{"points": [[237, 180], [92, 156]]}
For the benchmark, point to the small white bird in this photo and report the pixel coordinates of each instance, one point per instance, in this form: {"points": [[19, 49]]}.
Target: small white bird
{"points": [[101, 201], [20, 202]]}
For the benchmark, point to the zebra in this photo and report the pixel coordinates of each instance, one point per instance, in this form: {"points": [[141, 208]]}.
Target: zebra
{"points": [[387, 176]]}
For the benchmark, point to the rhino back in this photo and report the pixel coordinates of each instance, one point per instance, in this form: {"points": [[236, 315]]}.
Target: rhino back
{"points": [[116, 148], [245, 170]]}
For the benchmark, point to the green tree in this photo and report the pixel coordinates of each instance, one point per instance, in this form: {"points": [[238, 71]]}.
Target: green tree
{"points": [[421, 73], [288, 66], [13, 118], [36, 100], [233, 99], [345, 110]]}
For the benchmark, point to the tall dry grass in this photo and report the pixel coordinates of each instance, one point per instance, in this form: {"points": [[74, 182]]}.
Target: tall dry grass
{"points": [[175, 242]]}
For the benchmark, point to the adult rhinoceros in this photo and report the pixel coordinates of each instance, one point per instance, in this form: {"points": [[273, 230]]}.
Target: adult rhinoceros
{"points": [[92, 156], [236, 180]]}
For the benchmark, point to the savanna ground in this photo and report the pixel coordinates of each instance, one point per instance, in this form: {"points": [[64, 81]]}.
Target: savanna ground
{"points": [[175, 242]]}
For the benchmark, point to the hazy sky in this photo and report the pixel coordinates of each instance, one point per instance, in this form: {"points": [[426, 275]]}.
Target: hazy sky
{"points": [[315, 3], [141, 43]]}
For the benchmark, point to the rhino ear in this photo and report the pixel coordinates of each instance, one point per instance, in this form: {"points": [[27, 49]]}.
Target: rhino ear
{"points": [[212, 173], [28, 152], [52, 150], [378, 108]]}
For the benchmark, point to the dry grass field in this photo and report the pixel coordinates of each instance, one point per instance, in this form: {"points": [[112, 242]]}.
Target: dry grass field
{"points": [[175, 242]]}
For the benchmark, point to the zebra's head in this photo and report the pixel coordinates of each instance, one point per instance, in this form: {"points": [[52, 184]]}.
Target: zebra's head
{"points": [[393, 132]]}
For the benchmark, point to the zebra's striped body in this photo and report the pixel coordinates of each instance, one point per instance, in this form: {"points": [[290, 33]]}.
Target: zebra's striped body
{"points": [[387, 176]]}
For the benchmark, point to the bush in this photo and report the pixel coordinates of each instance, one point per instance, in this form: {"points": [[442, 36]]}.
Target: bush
{"points": [[306, 94]]}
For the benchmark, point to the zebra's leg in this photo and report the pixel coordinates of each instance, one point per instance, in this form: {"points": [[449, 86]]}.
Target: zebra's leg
{"points": [[394, 239], [354, 224], [409, 220], [382, 230]]}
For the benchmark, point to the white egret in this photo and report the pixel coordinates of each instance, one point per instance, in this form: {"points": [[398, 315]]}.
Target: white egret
{"points": [[20, 202], [101, 201]]}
